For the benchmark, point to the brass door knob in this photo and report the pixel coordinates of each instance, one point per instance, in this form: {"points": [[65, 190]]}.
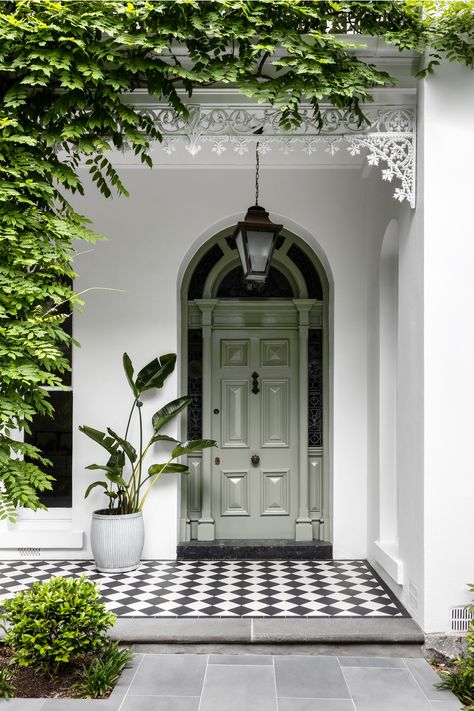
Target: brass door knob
{"points": [[255, 459]]}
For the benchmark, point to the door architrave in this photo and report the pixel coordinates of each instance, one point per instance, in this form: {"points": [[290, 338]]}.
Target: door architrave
{"points": [[306, 525]]}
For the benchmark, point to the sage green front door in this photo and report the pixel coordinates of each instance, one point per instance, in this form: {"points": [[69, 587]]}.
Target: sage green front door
{"points": [[254, 421]]}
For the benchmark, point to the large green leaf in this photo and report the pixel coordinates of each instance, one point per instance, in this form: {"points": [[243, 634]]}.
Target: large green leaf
{"points": [[128, 448], [169, 411], [167, 469], [104, 468], [192, 445], [93, 486], [116, 479], [101, 438], [116, 460], [155, 373], [164, 438], [128, 368]]}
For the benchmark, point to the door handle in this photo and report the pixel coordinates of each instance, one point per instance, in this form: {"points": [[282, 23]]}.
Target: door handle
{"points": [[255, 388], [255, 459]]}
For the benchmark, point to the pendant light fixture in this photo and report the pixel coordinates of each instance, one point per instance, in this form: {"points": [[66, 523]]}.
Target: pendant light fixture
{"points": [[255, 237]]}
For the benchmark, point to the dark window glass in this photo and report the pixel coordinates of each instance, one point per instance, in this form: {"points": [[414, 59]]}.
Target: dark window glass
{"points": [[315, 387], [201, 271], [234, 286], [195, 383], [53, 436], [307, 269]]}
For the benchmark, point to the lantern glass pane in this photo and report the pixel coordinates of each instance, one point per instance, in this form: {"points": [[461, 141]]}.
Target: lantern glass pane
{"points": [[239, 241], [259, 245]]}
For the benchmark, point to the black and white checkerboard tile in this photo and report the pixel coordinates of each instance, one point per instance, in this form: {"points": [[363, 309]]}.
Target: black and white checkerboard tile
{"points": [[225, 588]]}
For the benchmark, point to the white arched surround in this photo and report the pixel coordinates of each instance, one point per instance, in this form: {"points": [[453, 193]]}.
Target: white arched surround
{"points": [[386, 548], [307, 528]]}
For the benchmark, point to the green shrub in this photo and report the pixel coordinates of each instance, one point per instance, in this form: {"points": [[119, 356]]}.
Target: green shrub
{"points": [[102, 673], [55, 622], [460, 677], [7, 690]]}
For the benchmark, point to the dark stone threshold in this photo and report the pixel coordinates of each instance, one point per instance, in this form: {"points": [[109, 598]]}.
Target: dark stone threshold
{"points": [[254, 549]]}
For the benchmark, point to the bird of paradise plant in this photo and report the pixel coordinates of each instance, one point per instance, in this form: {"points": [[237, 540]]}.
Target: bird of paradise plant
{"points": [[125, 481]]}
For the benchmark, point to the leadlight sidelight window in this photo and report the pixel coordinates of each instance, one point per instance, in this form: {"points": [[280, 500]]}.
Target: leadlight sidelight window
{"points": [[315, 387], [195, 383]]}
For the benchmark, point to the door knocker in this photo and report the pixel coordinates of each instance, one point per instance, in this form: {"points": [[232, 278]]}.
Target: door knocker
{"points": [[255, 388]]}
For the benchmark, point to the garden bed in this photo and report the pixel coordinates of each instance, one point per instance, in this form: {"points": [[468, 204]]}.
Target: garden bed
{"points": [[31, 683]]}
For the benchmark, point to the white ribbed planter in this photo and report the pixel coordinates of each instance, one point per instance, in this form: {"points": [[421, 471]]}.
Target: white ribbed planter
{"points": [[117, 541]]}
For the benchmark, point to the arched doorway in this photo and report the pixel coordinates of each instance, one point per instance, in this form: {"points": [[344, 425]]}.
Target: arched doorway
{"points": [[255, 361]]}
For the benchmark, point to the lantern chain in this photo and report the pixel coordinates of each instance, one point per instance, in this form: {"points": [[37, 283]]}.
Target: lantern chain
{"points": [[257, 170]]}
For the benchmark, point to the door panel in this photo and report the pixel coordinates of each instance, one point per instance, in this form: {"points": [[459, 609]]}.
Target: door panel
{"points": [[235, 413], [275, 494], [275, 414], [255, 414], [235, 493]]}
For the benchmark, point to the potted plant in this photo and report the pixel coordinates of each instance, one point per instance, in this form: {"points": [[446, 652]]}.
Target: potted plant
{"points": [[117, 532]]}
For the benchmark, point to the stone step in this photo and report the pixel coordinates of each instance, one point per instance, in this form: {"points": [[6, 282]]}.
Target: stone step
{"points": [[254, 549], [322, 631]]}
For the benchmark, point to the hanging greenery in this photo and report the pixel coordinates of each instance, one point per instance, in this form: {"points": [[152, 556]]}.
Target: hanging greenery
{"points": [[64, 67]]}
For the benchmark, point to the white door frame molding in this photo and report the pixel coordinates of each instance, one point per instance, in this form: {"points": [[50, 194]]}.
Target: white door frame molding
{"points": [[208, 313]]}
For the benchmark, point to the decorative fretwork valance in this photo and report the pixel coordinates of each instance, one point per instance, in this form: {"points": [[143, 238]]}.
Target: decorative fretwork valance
{"points": [[388, 141]]}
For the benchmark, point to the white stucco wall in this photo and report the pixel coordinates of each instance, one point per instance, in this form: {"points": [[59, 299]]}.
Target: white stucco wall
{"points": [[169, 210], [448, 106]]}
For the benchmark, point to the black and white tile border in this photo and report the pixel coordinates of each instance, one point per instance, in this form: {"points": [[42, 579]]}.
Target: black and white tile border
{"points": [[225, 588]]}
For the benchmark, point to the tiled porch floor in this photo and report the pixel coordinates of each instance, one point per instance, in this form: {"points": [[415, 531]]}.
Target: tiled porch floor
{"points": [[225, 588]]}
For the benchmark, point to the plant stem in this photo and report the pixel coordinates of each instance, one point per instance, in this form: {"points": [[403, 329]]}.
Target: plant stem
{"points": [[140, 460], [153, 481]]}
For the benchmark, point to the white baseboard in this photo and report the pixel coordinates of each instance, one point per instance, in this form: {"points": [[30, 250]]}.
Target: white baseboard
{"points": [[386, 555]]}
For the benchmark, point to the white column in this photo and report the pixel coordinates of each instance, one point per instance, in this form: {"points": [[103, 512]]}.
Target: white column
{"points": [[206, 525], [304, 527], [447, 200]]}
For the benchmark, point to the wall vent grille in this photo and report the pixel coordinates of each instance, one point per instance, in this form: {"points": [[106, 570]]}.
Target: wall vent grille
{"points": [[29, 552], [461, 619]]}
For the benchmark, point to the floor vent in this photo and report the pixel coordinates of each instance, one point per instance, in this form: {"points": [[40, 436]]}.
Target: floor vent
{"points": [[29, 552], [461, 619]]}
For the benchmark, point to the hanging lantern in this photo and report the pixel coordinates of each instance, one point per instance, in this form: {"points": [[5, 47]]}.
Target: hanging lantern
{"points": [[255, 237]]}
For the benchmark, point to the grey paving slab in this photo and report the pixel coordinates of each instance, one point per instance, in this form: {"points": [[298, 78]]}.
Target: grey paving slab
{"points": [[181, 630], [447, 705], [392, 662], [21, 704], [427, 678], [79, 705], [310, 677], [169, 675], [315, 705], [238, 688], [337, 630], [247, 659], [385, 690], [161, 703]]}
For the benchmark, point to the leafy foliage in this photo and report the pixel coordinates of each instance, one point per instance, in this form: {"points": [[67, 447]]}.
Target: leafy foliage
{"points": [[7, 690], [460, 677], [102, 673], [128, 493], [64, 67], [55, 622]]}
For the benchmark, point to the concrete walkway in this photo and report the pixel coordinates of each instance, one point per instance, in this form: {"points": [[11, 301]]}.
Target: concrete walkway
{"points": [[262, 682]]}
